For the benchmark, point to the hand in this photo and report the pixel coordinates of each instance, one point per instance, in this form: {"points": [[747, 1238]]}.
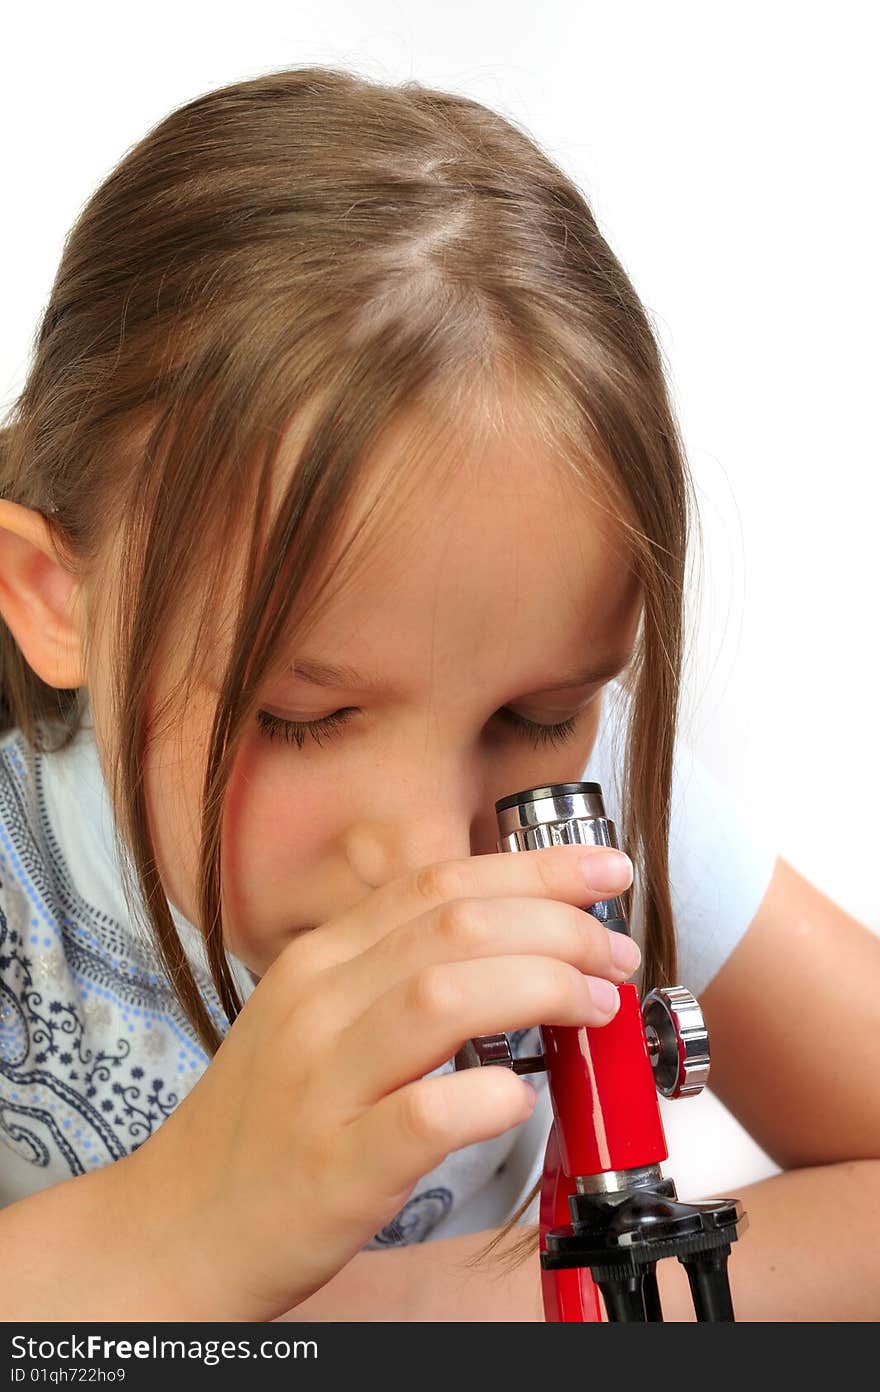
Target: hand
{"points": [[314, 1121]]}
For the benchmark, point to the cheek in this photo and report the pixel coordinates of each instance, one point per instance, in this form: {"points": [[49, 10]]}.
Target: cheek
{"points": [[277, 824]]}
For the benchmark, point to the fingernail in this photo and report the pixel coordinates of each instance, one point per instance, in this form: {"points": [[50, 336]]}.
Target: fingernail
{"points": [[605, 996], [625, 953], [608, 871]]}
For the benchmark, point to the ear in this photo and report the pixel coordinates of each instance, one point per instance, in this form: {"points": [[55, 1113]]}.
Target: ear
{"points": [[40, 597]]}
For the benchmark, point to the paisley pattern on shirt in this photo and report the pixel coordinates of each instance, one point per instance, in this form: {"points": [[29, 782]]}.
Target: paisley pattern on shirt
{"points": [[95, 1051]]}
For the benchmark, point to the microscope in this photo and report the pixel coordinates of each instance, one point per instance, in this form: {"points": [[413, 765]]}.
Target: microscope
{"points": [[607, 1215]]}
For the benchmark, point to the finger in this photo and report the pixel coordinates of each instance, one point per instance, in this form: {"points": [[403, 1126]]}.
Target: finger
{"points": [[407, 1134], [420, 1023], [578, 875], [465, 929]]}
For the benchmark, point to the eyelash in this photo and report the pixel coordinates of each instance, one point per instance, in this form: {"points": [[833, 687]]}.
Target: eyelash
{"points": [[295, 731]]}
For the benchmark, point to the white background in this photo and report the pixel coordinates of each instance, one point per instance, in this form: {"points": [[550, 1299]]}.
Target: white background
{"points": [[729, 154]]}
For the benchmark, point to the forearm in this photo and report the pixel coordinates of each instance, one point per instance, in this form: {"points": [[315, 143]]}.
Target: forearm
{"points": [[811, 1252], [97, 1247], [430, 1281]]}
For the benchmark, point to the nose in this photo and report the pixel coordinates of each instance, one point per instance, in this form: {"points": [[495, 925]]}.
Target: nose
{"points": [[399, 830], [399, 825], [384, 849]]}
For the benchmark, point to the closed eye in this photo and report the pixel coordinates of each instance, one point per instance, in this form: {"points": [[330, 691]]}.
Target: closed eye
{"points": [[296, 731]]}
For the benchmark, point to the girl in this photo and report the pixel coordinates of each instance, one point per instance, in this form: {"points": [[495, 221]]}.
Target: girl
{"points": [[344, 497]]}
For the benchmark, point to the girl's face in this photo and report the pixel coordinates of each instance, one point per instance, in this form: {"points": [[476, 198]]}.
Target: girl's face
{"points": [[501, 596]]}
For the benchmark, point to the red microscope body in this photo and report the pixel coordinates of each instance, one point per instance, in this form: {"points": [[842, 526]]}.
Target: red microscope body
{"points": [[607, 1215]]}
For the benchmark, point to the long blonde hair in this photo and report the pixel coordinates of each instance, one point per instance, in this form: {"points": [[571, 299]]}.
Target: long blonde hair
{"points": [[312, 236]]}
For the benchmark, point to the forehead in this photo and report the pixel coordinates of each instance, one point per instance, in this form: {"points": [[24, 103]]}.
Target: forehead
{"points": [[480, 533], [484, 547]]}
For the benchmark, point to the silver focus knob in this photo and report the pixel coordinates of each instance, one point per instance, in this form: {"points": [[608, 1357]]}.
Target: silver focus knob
{"points": [[487, 1048], [678, 1041], [495, 1049]]}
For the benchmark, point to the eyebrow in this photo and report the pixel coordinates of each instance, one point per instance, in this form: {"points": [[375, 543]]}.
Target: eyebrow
{"points": [[341, 675]]}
